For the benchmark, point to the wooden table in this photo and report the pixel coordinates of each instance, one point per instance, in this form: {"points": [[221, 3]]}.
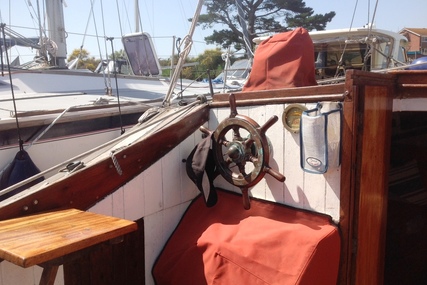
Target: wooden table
{"points": [[49, 239]]}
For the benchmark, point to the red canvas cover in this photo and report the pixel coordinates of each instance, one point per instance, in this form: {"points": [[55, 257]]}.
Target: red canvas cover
{"points": [[283, 60], [267, 244]]}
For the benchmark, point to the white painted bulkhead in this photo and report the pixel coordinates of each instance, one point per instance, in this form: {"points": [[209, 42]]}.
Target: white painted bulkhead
{"points": [[162, 193]]}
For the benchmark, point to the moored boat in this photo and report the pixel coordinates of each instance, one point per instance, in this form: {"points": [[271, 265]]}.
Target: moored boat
{"points": [[357, 174]]}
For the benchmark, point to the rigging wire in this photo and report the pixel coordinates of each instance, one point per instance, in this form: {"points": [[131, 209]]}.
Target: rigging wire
{"points": [[373, 19], [31, 10], [119, 18], [340, 65], [370, 27], [117, 85], [21, 143], [42, 48], [127, 16], [140, 21], [85, 33], [106, 80], [245, 32], [369, 10]]}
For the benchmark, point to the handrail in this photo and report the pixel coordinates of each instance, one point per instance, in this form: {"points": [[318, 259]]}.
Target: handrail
{"points": [[283, 100]]}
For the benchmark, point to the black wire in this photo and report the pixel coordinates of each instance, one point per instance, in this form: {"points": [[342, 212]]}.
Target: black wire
{"points": [[21, 143], [117, 85], [178, 44], [1, 57]]}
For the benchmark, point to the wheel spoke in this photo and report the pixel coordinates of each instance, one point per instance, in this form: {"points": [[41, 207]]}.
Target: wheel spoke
{"points": [[243, 161], [236, 134], [249, 142], [242, 168], [253, 159], [223, 142]]}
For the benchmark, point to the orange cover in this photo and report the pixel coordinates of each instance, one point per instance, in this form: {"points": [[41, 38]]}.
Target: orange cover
{"points": [[283, 60], [267, 244]]}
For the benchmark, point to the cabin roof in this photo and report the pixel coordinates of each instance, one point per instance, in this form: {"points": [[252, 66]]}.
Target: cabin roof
{"points": [[328, 35], [416, 31]]}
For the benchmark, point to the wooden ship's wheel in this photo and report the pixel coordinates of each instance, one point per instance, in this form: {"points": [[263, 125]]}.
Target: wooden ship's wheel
{"points": [[241, 151]]}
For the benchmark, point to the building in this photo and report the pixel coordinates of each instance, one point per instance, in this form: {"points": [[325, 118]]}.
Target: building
{"points": [[417, 42]]}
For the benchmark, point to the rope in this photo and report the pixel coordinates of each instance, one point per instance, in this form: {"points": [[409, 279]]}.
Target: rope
{"points": [[49, 127], [42, 133], [188, 43]]}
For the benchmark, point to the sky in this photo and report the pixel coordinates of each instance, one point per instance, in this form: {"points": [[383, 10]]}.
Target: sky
{"points": [[163, 19]]}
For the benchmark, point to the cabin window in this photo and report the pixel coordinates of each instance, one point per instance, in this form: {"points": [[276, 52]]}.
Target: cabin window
{"points": [[401, 56], [328, 57]]}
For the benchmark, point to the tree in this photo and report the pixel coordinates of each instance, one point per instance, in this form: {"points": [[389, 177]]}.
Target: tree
{"points": [[210, 60], [261, 17], [118, 54], [85, 61]]}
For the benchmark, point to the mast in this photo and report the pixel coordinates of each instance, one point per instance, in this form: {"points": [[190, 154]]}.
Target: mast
{"points": [[56, 27], [136, 16]]}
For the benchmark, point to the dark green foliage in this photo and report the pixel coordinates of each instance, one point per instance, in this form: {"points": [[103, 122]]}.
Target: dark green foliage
{"points": [[261, 16]]}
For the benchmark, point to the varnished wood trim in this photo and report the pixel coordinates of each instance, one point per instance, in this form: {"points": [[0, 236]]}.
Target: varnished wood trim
{"points": [[373, 176], [411, 84], [348, 155], [368, 176], [285, 100], [86, 187], [280, 94]]}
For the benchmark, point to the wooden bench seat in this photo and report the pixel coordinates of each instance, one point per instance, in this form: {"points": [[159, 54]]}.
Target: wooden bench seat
{"points": [[50, 239]]}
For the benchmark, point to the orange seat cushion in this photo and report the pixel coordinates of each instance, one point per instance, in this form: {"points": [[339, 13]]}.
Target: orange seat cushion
{"points": [[267, 244]]}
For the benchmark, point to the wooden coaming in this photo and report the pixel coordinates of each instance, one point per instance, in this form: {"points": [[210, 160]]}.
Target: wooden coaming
{"points": [[311, 94], [85, 188], [411, 84]]}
